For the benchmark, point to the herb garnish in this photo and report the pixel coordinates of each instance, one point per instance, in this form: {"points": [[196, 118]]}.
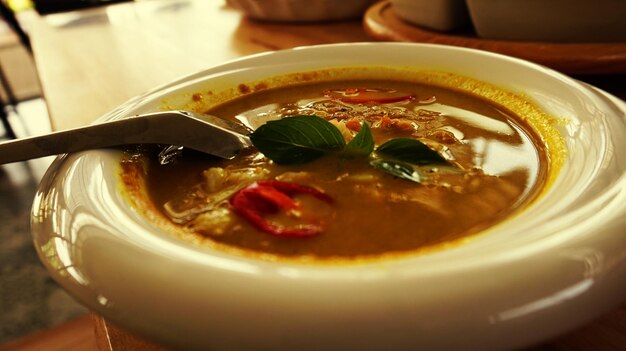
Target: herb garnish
{"points": [[362, 144], [297, 139], [304, 138], [410, 150]]}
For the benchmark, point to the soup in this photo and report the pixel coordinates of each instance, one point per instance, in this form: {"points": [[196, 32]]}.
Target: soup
{"points": [[444, 166]]}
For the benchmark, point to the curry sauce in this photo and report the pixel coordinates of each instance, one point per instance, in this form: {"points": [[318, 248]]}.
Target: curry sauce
{"points": [[498, 164]]}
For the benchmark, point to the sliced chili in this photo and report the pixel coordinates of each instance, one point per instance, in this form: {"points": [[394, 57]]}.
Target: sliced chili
{"points": [[367, 95], [263, 198], [293, 189]]}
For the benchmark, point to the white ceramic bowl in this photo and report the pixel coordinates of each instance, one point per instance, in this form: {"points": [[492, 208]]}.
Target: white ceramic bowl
{"points": [[556, 266], [301, 10], [553, 20], [442, 15]]}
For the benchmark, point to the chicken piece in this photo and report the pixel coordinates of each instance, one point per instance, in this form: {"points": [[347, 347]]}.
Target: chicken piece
{"points": [[403, 125], [341, 125], [294, 177], [217, 178], [354, 124], [218, 186], [443, 136], [213, 223]]}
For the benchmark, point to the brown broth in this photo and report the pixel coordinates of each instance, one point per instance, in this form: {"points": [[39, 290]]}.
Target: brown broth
{"points": [[502, 166]]}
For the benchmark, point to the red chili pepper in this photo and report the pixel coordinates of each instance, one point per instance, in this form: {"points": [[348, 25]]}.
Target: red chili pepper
{"points": [[292, 189], [274, 196], [366, 95], [268, 197]]}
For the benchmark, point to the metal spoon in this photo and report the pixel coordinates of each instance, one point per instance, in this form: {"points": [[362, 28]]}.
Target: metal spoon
{"points": [[201, 132]]}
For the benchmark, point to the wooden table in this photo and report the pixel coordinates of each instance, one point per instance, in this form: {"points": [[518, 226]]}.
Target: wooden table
{"points": [[90, 62], [93, 60]]}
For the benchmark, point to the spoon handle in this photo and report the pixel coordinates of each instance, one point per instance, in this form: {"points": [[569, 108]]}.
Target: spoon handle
{"points": [[172, 127]]}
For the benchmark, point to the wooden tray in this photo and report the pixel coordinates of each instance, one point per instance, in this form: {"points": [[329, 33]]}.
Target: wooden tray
{"points": [[382, 23]]}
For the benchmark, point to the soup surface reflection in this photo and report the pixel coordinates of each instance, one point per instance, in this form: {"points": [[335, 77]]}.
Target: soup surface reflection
{"points": [[496, 165]]}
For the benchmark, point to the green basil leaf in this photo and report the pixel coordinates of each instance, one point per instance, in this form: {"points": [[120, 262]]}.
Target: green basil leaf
{"points": [[410, 150], [362, 144], [297, 139], [397, 168]]}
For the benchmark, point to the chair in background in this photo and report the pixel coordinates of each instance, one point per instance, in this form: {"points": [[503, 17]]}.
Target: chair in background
{"points": [[44, 7], [9, 17], [8, 130]]}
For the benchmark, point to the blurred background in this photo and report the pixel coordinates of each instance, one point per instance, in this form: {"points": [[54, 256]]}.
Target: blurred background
{"points": [[29, 299]]}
